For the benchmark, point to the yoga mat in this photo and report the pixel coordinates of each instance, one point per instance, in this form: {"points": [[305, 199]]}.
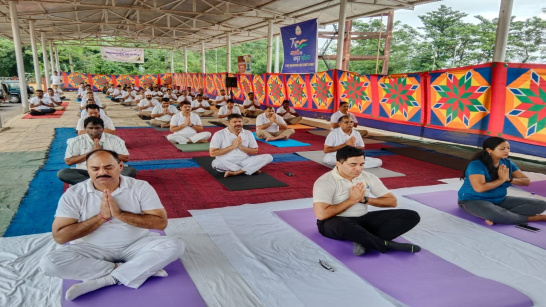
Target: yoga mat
{"points": [[288, 157], [319, 132], [421, 279], [430, 157], [163, 164], [537, 187], [301, 126], [193, 147], [241, 182], [158, 128], [283, 143], [57, 114], [446, 201]]}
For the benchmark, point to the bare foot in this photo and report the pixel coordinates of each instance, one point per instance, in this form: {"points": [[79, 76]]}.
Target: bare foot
{"points": [[259, 171], [230, 173], [488, 222], [165, 125], [269, 139], [203, 141]]}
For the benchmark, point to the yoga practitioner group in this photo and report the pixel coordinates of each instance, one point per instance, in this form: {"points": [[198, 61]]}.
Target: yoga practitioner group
{"points": [[106, 215]]}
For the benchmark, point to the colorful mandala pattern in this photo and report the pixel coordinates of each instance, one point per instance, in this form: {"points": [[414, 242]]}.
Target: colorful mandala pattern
{"points": [[526, 105], [166, 79], [75, 78], [245, 83], [356, 90], [275, 94], [99, 81], [399, 98], [210, 87], [219, 82], [259, 88], [322, 91], [126, 80], [460, 100], [297, 90], [148, 80]]}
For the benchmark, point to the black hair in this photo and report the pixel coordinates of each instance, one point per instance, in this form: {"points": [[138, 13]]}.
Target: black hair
{"points": [[199, 95], [185, 102], [348, 152], [92, 106], [39, 91], [343, 117], [165, 99], [250, 93], [49, 89], [286, 101], [342, 103], [113, 153], [485, 157], [230, 100], [269, 107], [94, 121], [234, 115]]}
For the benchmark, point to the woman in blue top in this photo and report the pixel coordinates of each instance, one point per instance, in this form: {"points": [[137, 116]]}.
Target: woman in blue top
{"points": [[486, 178]]}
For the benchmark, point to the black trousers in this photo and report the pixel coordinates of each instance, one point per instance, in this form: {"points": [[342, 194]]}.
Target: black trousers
{"points": [[42, 112], [371, 229]]}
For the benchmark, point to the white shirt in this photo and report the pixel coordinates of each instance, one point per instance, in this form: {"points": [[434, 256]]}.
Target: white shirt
{"points": [[121, 94], [172, 97], [337, 137], [335, 117], [263, 120], [108, 123], [95, 98], [35, 103], [182, 98], [224, 138], [252, 104], [225, 111], [222, 100], [110, 91], [55, 99], [179, 119], [116, 92], [145, 102], [287, 115], [56, 79], [129, 96], [82, 202], [84, 113], [333, 189], [195, 104], [82, 144], [159, 110]]}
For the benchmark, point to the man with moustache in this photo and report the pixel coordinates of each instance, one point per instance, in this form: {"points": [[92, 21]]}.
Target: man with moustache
{"points": [[107, 220], [271, 127], [252, 106], [146, 106], [186, 127], [95, 138], [231, 147], [40, 105], [55, 99], [162, 114], [201, 107], [94, 110], [221, 100], [288, 113]]}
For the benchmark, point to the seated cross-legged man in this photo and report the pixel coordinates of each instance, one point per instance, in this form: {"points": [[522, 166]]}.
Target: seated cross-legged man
{"points": [[221, 100], [129, 96], [107, 220], [344, 110], [342, 136], [270, 126], [201, 107], [94, 110], [55, 99], [163, 113], [230, 108], [40, 105], [288, 113], [186, 127], [184, 97], [251, 106], [89, 98], [146, 105], [231, 147], [341, 198], [95, 138]]}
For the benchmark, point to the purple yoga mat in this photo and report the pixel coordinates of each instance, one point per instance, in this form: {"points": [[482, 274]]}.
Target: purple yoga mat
{"points": [[447, 201], [421, 279], [177, 289], [537, 187]]}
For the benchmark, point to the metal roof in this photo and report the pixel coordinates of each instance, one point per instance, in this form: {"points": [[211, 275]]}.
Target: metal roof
{"points": [[177, 23]]}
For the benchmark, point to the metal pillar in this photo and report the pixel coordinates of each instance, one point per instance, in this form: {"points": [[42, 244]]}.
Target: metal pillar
{"points": [[387, 51], [228, 52], [18, 54], [185, 59], [51, 60], [172, 61], [45, 60], [277, 60], [341, 33], [269, 45], [203, 66], [347, 45], [70, 62], [35, 59], [503, 26], [57, 62]]}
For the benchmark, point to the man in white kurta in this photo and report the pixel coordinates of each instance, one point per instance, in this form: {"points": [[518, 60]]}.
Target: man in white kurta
{"points": [[107, 220], [146, 106], [252, 106], [186, 127], [231, 147], [184, 97], [270, 126], [94, 111], [55, 99], [201, 107], [56, 80], [288, 113], [162, 114], [221, 100], [343, 110], [40, 105], [342, 136]]}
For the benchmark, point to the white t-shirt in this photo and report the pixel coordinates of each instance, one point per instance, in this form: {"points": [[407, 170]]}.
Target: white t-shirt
{"points": [[287, 115], [335, 117], [333, 189], [337, 137], [252, 105], [56, 79], [179, 119], [221, 100], [129, 96], [108, 123], [225, 111], [117, 92], [95, 98], [110, 91], [195, 104], [35, 103], [145, 102], [181, 98], [82, 202], [84, 113], [224, 138], [159, 110], [55, 99], [172, 97], [82, 144], [263, 120]]}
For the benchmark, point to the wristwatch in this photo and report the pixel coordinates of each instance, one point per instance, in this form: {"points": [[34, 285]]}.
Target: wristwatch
{"points": [[365, 200], [510, 180]]}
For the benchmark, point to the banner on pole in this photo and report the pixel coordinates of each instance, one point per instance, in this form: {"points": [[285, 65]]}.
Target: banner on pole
{"points": [[126, 55], [244, 64], [300, 46]]}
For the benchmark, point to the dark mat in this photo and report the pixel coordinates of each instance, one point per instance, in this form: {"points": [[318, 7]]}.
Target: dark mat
{"points": [[430, 157], [193, 147], [159, 128], [220, 124], [241, 182]]}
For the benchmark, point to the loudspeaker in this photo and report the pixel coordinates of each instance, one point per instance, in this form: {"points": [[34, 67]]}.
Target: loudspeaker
{"points": [[231, 81]]}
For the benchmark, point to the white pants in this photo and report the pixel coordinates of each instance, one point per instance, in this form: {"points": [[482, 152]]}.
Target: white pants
{"points": [[183, 138], [369, 162], [250, 165], [140, 260]]}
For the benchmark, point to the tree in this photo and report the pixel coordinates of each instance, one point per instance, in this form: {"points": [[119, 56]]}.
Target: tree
{"points": [[527, 41]]}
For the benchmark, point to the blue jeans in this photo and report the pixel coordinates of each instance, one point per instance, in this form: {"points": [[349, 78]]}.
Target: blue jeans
{"points": [[513, 210]]}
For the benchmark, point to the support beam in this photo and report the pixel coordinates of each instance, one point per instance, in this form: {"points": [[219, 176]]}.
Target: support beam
{"points": [[18, 54], [51, 60], [269, 45], [228, 52], [185, 59], [57, 62], [387, 51], [277, 50], [70, 62], [172, 61], [503, 26], [35, 60], [355, 57], [347, 45], [203, 64], [45, 60], [341, 33]]}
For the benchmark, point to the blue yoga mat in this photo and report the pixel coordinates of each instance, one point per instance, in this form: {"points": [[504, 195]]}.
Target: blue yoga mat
{"points": [[163, 164], [282, 143]]}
